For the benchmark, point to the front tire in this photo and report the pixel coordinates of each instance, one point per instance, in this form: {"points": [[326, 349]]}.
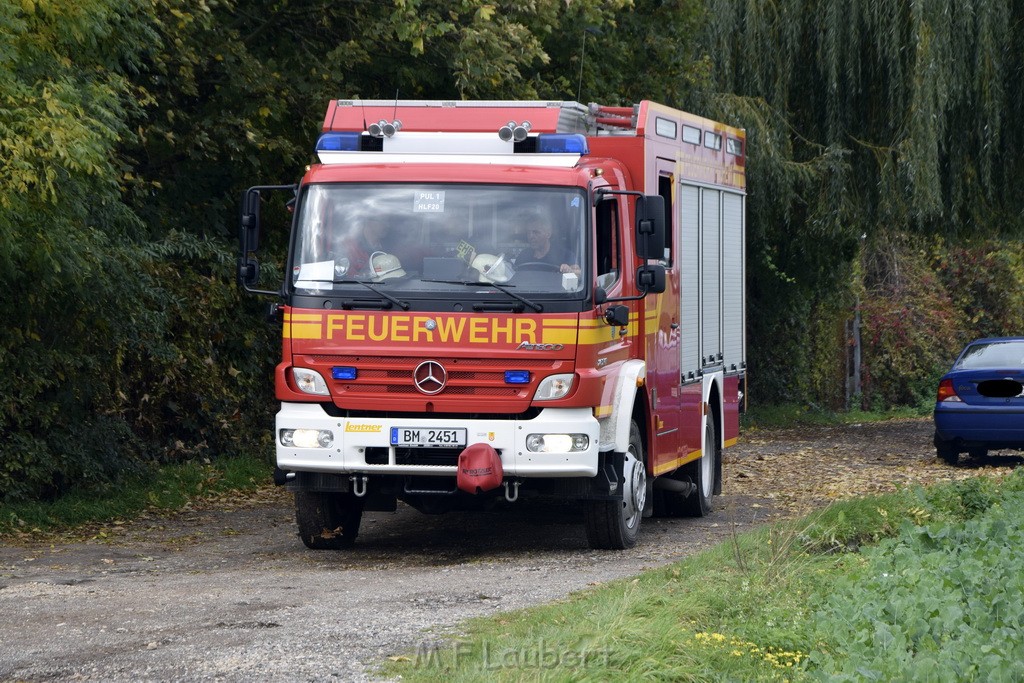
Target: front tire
{"points": [[327, 521], [702, 474], [615, 524]]}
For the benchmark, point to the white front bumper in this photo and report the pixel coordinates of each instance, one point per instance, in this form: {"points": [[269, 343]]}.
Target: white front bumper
{"points": [[352, 436]]}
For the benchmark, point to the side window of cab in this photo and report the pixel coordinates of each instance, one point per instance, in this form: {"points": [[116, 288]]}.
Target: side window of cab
{"points": [[609, 257]]}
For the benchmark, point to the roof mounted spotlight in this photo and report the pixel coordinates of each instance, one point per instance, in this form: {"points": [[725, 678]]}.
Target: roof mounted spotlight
{"points": [[520, 132], [507, 132], [383, 129]]}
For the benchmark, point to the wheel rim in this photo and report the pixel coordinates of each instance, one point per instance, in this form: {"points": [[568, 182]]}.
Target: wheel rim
{"points": [[635, 496], [707, 464]]}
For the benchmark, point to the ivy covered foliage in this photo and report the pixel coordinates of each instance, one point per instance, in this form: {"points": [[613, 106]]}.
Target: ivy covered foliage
{"points": [[868, 120]]}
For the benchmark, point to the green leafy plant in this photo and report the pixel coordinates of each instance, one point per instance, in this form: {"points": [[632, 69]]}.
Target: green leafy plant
{"points": [[944, 601]]}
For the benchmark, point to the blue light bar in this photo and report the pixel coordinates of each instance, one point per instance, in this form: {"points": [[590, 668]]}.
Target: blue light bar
{"points": [[344, 372], [562, 143], [339, 142], [517, 377]]}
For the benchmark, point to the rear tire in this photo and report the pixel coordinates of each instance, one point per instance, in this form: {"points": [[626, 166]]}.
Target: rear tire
{"points": [[947, 452], [327, 521], [702, 474], [615, 524]]}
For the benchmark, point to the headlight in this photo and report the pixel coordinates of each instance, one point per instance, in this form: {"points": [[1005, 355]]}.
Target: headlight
{"points": [[555, 386], [557, 443], [307, 438], [310, 382]]}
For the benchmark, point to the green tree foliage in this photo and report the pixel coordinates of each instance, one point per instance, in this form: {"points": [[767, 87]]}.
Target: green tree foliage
{"points": [[864, 118], [106, 332], [127, 131], [68, 265], [238, 91]]}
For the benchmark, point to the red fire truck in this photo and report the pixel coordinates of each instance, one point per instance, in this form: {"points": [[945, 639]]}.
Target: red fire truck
{"points": [[490, 302]]}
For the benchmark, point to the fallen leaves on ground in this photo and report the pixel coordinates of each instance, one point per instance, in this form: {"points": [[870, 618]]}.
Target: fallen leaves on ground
{"points": [[801, 469]]}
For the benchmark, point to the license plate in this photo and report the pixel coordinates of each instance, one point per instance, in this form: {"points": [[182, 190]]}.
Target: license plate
{"points": [[424, 437]]}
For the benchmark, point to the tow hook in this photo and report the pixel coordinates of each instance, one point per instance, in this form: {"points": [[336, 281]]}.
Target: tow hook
{"points": [[282, 477], [358, 485], [513, 495]]}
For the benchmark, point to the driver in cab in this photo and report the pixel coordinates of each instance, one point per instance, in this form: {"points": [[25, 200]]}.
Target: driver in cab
{"points": [[539, 248]]}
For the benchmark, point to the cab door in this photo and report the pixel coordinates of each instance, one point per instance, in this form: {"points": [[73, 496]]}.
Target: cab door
{"points": [[662, 338]]}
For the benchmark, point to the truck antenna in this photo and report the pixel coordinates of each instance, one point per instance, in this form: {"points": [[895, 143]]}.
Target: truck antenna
{"points": [[583, 57]]}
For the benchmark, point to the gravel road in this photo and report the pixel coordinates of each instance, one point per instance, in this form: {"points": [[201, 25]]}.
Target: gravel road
{"points": [[232, 594]]}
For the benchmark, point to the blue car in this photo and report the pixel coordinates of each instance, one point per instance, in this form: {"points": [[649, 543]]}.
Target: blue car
{"points": [[980, 402]]}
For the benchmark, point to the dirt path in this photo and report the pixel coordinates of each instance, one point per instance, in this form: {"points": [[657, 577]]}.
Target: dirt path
{"points": [[232, 595]]}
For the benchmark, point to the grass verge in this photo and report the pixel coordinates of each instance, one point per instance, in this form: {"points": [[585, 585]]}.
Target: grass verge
{"points": [[166, 488], [797, 415], [781, 603]]}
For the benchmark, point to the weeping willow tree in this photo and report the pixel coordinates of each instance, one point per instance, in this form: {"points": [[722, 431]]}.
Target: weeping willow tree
{"points": [[865, 118]]}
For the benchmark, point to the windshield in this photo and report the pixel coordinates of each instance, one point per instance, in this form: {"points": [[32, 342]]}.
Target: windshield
{"points": [[437, 238], [1005, 354]]}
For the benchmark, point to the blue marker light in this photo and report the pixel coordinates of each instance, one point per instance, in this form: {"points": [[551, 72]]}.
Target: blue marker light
{"points": [[339, 142], [517, 377], [569, 143], [344, 372]]}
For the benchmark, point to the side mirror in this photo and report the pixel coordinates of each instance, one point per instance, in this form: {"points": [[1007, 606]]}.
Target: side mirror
{"points": [[248, 272], [249, 229], [617, 316], [248, 268], [651, 279], [650, 227]]}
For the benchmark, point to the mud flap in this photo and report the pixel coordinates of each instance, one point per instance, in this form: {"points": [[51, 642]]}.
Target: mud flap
{"points": [[479, 469]]}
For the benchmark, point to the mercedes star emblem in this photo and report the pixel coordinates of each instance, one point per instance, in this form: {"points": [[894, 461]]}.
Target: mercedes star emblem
{"points": [[430, 377]]}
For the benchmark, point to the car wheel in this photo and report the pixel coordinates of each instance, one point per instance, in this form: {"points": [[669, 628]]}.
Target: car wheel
{"points": [[702, 474], [328, 521], [615, 524], [947, 452]]}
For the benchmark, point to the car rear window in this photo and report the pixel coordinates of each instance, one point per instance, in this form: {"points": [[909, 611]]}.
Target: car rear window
{"points": [[996, 354]]}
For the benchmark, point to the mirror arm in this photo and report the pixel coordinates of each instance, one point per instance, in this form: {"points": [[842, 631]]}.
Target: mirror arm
{"points": [[249, 237], [641, 295], [602, 192]]}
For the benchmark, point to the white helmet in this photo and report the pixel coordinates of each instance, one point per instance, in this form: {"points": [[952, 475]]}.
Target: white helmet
{"points": [[384, 266], [493, 268]]}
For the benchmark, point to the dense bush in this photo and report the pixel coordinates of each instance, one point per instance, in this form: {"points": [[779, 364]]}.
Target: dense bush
{"points": [[986, 283], [911, 328], [923, 300], [150, 355], [209, 390]]}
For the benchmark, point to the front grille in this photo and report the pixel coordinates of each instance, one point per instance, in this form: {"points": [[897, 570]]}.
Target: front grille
{"points": [[440, 457], [430, 457], [384, 375]]}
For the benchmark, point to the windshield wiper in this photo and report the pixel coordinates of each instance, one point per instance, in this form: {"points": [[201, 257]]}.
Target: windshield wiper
{"points": [[404, 305], [369, 285], [502, 288]]}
